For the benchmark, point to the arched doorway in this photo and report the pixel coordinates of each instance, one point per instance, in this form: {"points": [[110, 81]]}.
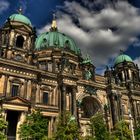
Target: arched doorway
{"points": [[90, 106]]}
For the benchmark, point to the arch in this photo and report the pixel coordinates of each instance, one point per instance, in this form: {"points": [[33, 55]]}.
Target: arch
{"points": [[90, 106], [81, 96], [19, 41]]}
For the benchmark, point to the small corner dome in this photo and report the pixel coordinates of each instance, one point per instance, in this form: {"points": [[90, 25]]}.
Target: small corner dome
{"points": [[121, 58], [55, 39], [20, 18]]}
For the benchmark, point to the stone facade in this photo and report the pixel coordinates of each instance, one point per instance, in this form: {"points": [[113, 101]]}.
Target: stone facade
{"points": [[56, 79]]}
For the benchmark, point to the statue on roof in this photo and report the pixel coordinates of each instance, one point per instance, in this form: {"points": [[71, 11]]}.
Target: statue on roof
{"points": [[87, 75], [87, 60]]}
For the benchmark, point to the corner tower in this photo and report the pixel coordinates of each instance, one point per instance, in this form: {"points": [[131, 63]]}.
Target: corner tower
{"points": [[125, 70], [17, 38]]}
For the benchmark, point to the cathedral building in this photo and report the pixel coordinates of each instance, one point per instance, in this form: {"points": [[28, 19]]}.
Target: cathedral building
{"points": [[48, 72]]}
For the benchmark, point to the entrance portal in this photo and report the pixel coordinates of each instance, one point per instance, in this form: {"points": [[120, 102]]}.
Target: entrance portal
{"points": [[12, 118]]}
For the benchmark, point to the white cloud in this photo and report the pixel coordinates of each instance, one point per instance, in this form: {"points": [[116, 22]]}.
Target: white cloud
{"points": [[137, 61], [4, 5], [101, 34]]}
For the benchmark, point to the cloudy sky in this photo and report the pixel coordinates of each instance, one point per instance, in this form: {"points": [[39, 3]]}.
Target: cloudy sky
{"points": [[101, 28]]}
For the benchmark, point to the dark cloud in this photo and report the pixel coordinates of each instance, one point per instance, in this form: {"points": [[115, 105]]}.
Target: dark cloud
{"points": [[101, 34], [4, 5]]}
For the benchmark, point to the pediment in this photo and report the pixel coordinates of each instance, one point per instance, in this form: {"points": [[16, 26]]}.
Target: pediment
{"points": [[25, 28], [17, 100], [22, 27]]}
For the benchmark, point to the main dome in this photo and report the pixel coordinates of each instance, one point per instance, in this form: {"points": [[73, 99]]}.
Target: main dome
{"points": [[55, 39], [121, 58], [20, 18]]}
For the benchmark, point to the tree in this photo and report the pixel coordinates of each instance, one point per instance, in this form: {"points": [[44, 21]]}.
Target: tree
{"points": [[98, 127], [122, 131], [3, 126], [34, 127], [137, 133], [67, 128]]}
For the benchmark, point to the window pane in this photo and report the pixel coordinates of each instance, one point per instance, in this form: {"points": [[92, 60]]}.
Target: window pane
{"points": [[19, 41], [45, 98], [50, 66], [15, 90], [43, 65]]}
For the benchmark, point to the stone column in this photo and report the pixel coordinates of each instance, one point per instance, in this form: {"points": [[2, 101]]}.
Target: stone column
{"points": [[5, 85], [132, 109], [38, 94], [119, 107], [123, 76], [135, 108], [25, 89], [29, 60], [74, 109], [21, 120], [54, 96], [49, 128], [9, 53], [135, 112], [2, 83], [67, 102], [12, 37], [29, 89], [113, 109], [138, 108], [130, 74], [63, 98]]}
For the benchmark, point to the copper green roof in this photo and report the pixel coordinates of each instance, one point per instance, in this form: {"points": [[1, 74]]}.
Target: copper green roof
{"points": [[55, 39], [20, 18], [121, 58]]}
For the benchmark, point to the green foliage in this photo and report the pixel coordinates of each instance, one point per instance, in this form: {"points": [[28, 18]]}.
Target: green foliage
{"points": [[100, 132], [122, 131], [3, 126], [137, 133], [98, 127], [67, 128], [34, 127]]}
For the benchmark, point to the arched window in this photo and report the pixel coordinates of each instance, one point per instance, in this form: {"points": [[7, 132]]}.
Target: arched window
{"points": [[90, 106], [19, 41], [120, 76]]}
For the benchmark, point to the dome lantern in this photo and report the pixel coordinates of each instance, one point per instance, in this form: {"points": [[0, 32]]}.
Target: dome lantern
{"points": [[54, 24]]}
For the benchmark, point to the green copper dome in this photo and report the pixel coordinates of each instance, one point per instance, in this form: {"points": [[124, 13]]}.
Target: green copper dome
{"points": [[55, 39], [121, 58], [20, 18]]}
